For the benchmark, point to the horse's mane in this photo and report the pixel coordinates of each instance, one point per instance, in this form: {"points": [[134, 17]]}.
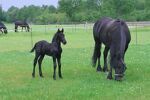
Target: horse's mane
{"points": [[116, 24]]}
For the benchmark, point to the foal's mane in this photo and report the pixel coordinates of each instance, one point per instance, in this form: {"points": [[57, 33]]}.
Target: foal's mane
{"points": [[55, 37]]}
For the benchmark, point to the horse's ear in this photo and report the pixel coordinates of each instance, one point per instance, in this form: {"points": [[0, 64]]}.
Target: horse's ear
{"points": [[62, 30]]}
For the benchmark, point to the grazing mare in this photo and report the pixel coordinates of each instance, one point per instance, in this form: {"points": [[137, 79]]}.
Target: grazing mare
{"points": [[53, 49], [22, 24], [3, 28], [115, 35]]}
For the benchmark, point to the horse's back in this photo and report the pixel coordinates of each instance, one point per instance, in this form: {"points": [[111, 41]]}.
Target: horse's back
{"points": [[18, 22], [100, 25], [2, 25]]}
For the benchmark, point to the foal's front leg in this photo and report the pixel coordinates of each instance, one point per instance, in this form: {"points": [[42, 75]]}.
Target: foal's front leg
{"points": [[59, 67], [55, 65]]}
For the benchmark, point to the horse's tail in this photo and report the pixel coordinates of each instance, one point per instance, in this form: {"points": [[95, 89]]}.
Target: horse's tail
{"points": [[95, 54], [32, 50]]}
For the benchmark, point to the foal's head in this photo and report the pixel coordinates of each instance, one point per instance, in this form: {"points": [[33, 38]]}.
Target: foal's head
{"points": [[59, 37]]}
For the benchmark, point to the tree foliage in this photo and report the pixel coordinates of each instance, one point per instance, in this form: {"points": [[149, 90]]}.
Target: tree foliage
{"points": [[79, 11]]}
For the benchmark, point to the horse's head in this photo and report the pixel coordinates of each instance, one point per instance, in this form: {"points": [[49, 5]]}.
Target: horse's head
{"points": [[5, 31], [118, 64], [28, 28], [61, 36]]}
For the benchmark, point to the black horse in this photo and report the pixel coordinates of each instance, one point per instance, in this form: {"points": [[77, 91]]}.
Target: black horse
{"points": [[22, 24], [3, 28], [115, 35], [53, 49]]}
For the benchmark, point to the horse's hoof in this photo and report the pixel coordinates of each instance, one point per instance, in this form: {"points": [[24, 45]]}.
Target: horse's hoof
{"points": [[109, 77], [99, 69]]}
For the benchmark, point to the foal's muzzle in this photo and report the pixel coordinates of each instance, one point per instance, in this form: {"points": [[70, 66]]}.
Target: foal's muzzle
{"points": [[64, 42]]}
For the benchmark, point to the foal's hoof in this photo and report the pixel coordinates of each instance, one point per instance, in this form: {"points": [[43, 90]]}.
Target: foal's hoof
{"points": [[61, 77], [33, 75], [105, 69], [41, 76], [54, 78], [99, 69]]}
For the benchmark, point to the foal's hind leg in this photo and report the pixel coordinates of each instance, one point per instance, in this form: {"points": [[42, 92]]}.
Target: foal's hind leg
{"points": [[40, 62], [105, 68], [34, 64], [59, 67]]}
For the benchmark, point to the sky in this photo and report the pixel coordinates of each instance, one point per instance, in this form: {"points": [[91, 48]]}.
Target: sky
{"points": [[6, 4]]}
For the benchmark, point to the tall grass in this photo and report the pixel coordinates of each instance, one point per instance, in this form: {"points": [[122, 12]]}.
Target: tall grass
{"points": [[81, 81]]}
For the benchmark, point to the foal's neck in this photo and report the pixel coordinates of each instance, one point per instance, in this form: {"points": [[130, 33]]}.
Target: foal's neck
{"points": [[56, 41]]}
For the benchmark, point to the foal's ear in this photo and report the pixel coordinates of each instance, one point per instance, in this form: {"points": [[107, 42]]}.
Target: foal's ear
{"points": [[62, 30], [58, 30]]}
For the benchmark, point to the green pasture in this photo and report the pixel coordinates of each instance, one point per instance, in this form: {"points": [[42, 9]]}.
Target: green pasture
{"points": [[80, 81]]}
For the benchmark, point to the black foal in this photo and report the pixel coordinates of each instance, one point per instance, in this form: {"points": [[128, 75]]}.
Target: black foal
{"points": [[53, 49]]}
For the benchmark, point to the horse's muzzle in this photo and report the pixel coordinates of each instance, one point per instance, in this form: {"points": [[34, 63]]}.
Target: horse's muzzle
{"points": [[119, 77]]}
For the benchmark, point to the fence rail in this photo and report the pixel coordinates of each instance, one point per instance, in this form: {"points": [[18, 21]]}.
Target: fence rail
{"points": [[135, 27]]}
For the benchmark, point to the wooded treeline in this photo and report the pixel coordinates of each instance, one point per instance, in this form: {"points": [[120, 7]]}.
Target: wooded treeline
{"points": [[79, 11]]}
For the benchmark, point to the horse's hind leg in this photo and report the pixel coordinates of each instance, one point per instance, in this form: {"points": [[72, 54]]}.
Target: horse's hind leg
{"points": [[55, 65], [40, 62], [16, 28], [96, 55], [105, 53], [98, 47], [34, 64], [59, 67]]}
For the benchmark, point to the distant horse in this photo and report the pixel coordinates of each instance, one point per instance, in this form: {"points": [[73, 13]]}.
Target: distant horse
{"points": [[115, 35], [3, 28], [22, 24], [53, 49]]}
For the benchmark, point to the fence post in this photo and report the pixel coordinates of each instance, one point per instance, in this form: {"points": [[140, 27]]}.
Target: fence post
{"points": [[31, 38], [45, 28], [136, 34]]}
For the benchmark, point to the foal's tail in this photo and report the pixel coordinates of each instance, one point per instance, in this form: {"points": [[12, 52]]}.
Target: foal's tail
{"points": [[32, 50]]}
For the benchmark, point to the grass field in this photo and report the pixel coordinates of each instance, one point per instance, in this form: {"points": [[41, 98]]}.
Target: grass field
{"points": [[80, 81]]}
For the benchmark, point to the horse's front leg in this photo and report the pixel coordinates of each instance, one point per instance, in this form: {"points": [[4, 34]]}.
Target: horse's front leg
{"points": [[1, 31], [110, 74], [22, 29], [55, 65], [59, 66]]}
